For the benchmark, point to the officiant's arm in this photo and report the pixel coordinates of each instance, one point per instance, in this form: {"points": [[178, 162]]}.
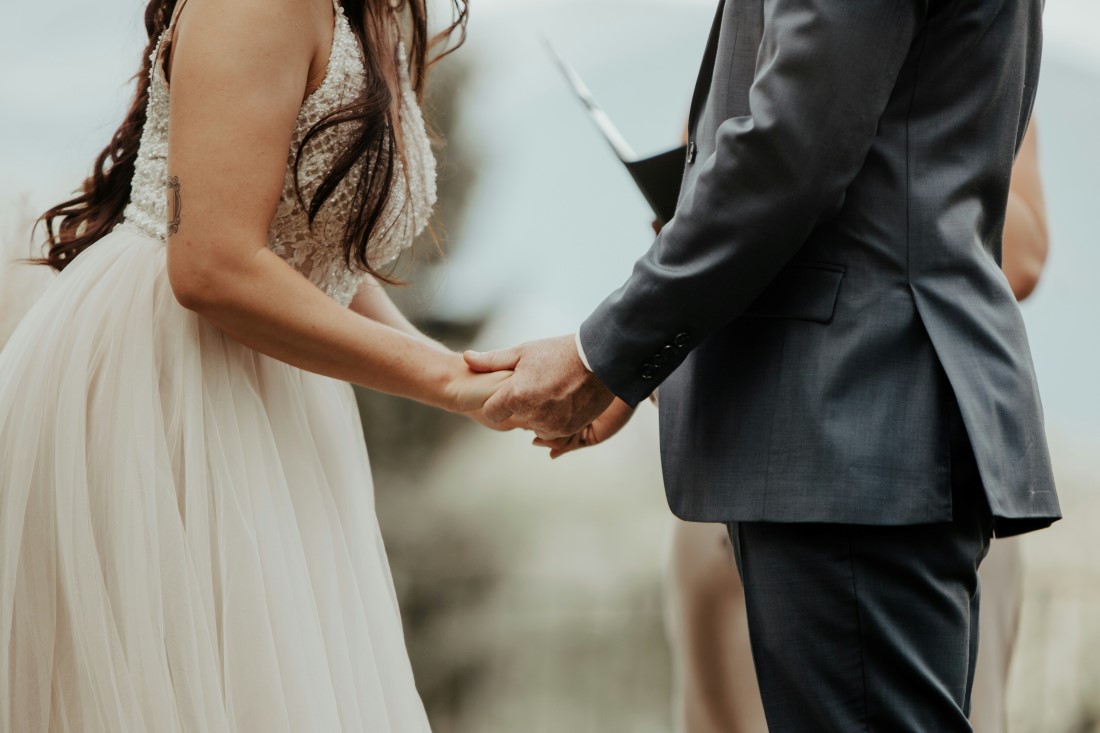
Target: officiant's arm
{"points": [[825, 75]]}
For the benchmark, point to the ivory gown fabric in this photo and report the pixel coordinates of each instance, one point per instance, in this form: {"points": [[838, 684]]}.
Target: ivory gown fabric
{"points": [[188, 538]]}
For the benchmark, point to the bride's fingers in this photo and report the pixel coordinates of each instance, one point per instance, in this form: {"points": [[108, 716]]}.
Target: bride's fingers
{"points": [[561, 446], [474, 390], [559, 452], [555, 443], [487, 385]]}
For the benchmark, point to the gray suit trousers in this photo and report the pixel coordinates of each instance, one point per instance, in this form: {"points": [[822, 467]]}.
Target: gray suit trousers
{"points": [[868, 628]]}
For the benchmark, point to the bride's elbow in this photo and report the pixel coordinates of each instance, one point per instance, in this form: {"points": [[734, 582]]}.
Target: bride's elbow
{"points": [[190, 293], [196, 285]]}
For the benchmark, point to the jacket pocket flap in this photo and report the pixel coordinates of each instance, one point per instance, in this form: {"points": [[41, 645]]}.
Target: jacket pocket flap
{"points": [[805, 292]]}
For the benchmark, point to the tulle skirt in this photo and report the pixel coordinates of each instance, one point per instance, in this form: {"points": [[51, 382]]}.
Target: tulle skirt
{"points": [[188, 540]]}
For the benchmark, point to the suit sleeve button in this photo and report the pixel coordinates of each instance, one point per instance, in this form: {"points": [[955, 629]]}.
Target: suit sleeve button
{"points": [[647, 371], [681, 340]]}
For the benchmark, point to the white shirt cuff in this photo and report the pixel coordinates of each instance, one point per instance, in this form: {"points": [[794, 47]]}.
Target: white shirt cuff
{"points": [[580, 352]]}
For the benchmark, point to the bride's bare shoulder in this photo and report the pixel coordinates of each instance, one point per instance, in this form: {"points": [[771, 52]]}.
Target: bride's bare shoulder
{"points": [[264, 33], [301, 14]]}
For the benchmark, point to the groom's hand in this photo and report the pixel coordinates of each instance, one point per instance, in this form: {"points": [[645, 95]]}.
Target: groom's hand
{"points": [[551, 391], [602, 429]]}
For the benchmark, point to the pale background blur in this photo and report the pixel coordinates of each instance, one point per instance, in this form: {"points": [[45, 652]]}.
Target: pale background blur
{"points": [[533, 591]]}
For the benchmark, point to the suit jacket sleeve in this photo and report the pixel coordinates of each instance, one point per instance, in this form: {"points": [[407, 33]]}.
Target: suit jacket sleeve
{"points": [[825, 72]]}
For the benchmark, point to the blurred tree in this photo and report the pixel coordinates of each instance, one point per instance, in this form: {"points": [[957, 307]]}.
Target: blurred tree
{"points": [[401, 434], [442, 569]]}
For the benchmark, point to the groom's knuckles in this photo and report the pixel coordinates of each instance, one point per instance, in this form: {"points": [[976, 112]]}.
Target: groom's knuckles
{"points": [[497, 414]]}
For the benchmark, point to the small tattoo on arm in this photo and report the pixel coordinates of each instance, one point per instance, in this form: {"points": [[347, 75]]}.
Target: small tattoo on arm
{"points": [[175, 205]]}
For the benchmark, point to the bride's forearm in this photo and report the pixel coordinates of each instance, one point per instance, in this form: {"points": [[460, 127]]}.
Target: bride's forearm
{"points": [[263, 303]]}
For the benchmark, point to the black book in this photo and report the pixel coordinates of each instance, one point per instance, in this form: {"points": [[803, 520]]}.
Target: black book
{"points": [[657, 177]]}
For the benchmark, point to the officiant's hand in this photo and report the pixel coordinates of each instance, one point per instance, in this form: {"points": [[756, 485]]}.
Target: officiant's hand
{"points": [[600, 430], [550, 392]]}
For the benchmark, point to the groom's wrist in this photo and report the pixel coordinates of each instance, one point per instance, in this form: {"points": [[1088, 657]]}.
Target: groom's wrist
{"points": [[584, 360], [580, 351]]}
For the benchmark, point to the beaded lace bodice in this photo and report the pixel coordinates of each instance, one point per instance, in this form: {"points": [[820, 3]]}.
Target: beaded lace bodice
{"points": [[318, 251]]}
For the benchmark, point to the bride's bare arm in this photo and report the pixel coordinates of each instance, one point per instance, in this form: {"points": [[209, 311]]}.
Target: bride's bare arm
{"points": [[239, 74], [372, 301]]}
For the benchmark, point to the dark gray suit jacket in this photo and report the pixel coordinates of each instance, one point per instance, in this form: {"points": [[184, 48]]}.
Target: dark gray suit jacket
{"points": [[830, 285]]}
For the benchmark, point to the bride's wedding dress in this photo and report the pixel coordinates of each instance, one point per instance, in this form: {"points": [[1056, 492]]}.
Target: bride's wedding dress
{"points": [[188, 540]]}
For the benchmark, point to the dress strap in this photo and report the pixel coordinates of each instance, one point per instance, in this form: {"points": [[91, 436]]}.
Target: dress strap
{"points": [[165, 40]]}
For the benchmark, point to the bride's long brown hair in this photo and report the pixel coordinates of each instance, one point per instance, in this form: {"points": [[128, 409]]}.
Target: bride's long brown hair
{"points": [[73, 226]]}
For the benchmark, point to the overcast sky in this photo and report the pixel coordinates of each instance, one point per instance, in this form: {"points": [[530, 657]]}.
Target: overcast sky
{"points": [[64, 67]]}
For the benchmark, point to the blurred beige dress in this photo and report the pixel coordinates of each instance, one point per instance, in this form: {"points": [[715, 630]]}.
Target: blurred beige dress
{"points": [[998, 626], [188, 538]]}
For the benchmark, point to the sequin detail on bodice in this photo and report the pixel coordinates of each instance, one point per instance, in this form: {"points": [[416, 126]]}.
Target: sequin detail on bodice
{"points": [[318, 251]]}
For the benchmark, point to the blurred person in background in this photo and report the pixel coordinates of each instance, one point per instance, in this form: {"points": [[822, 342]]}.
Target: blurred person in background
{"points": [[1026, 245], [188, 539], [715, 687]]}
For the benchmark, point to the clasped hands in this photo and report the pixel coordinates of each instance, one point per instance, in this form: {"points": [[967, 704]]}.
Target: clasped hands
{"points": [[551, 393]]}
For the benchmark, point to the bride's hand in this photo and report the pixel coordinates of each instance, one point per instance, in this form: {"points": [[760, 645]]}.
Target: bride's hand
{"points": [[468, 391], [600, 430]]}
